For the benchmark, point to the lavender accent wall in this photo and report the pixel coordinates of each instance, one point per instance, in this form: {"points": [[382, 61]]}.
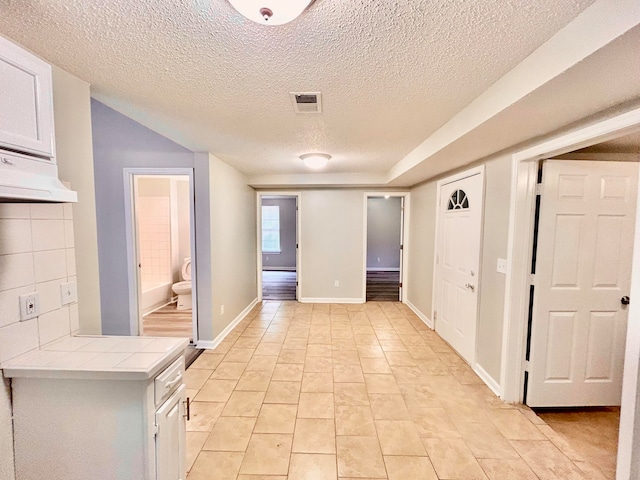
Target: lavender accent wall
{"points": [[119, 142]]}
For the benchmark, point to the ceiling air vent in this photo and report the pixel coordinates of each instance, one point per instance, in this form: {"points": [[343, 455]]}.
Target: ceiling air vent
{"points": [[307, 102]]}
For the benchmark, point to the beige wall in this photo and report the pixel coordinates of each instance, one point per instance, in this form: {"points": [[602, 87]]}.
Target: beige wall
{"points": [[74, 152], [184, 222], [494, 246], [332, 244], [233, 243], [497, 195], [421, 247]]}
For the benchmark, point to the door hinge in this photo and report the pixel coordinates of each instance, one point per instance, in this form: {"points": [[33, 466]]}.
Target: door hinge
{"points": [[538, 189], [296, 245], [526, 366], [532, 278], [400, 284], [155, 430], [401, 247], [435, 315], [296, 284]]}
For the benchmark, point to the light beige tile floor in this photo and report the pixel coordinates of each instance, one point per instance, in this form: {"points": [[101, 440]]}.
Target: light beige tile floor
{"points": [[326, 392], [591, 432]]}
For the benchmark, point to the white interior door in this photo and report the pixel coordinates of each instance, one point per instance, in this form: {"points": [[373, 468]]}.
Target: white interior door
{"points": [[583, 269], [457, 263]]}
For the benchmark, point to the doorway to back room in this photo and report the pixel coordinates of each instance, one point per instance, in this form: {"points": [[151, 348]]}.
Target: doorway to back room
{"points": [[279, 247], [384, 248]]}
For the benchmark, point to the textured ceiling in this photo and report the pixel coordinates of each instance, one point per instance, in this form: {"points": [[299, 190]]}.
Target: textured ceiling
{"points": [[626, 144], [391, 72]]}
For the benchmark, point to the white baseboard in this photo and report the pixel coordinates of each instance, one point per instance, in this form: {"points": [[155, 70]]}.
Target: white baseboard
{"points": [[331, 300], [420, 315], [278, 269], [488, 379], [210, 345], [382, 269]]}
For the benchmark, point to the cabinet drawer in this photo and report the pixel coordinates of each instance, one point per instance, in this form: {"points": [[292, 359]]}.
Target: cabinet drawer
{"points": [[168, 381]]}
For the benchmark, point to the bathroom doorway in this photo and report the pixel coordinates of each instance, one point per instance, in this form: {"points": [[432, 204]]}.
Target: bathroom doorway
{"points": [[162, 252]]}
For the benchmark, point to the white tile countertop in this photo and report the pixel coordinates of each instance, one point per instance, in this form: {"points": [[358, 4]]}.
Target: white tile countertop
{"points": [[97, 357]]}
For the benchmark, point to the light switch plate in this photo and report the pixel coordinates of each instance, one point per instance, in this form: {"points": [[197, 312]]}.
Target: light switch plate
{"points": [[502, 265], [68, 293]]}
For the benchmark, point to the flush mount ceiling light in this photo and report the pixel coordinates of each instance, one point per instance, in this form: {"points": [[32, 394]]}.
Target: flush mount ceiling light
{"points": [[315, 160], [271, 12]]}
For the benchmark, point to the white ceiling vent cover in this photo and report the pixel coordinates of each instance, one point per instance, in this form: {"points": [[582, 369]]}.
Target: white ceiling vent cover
{"points": [[307, 102]]}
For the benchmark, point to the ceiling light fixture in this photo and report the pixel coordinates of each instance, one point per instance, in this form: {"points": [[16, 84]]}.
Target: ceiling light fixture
{"points": [[315, 160], [271, 12]]}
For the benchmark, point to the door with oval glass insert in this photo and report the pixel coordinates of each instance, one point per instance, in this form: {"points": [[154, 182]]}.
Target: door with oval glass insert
{"points": [[457, 277]]}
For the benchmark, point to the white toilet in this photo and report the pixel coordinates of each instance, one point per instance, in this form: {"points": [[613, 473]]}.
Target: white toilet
{"points": [[183, 289]]}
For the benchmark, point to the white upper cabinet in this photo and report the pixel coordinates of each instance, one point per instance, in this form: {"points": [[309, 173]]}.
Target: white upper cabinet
{"points": [[26, 105]]}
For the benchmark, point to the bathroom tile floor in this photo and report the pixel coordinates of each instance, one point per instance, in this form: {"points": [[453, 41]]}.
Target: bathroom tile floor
{"points": [[310, 391]]}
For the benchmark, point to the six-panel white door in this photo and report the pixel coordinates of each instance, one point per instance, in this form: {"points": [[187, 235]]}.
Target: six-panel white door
{"points": [[583, 269], [457, 263]]}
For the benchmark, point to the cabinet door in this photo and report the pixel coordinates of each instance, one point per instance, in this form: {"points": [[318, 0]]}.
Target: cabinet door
{"points": [[171, 438], [26, 103]]}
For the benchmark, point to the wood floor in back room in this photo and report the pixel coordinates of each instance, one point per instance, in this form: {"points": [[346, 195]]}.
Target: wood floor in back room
{"points": [[383, 286], [279, 285]]}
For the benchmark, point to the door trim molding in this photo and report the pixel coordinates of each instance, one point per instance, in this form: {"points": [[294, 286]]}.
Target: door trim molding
{"points": [[404, 268], [479, 170], [298, 270], [523, 179]]}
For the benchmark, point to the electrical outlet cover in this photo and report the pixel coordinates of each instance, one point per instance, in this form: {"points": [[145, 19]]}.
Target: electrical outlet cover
{"points": [[29, 306], [502, 266]]}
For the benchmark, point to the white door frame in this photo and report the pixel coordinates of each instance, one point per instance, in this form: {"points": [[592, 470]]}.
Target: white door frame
{"points": [[445, 181], [135, 317], [523, 192], [283, 193], [404, 268]]}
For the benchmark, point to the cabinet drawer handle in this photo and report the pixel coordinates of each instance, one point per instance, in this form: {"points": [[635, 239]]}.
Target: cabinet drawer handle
{"points": [[6, 161], [188, 405], [172, 383]]}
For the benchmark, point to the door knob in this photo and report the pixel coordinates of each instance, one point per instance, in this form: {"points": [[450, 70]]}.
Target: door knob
{"points": [[468, 286], [625, 300]]}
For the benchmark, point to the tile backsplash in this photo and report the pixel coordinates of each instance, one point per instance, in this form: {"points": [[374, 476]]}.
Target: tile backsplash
{"points": [[36, 255]]}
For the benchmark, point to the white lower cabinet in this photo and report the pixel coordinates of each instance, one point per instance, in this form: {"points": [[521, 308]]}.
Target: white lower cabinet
{"points": [[101, 425], [171, 437]]}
